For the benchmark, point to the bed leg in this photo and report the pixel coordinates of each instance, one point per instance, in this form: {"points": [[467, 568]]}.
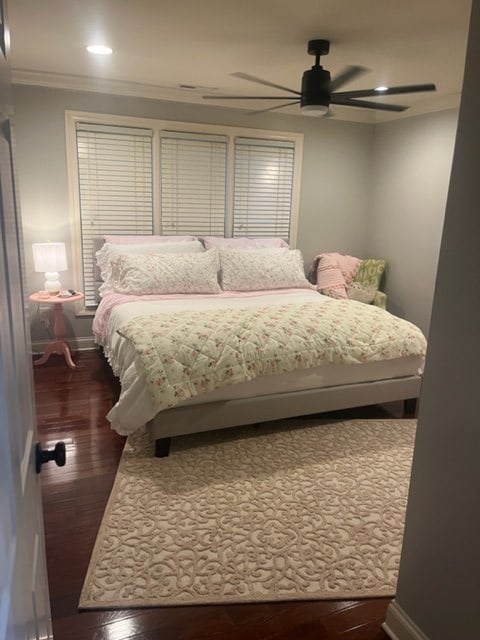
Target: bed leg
{"points": [[410, 408], [162, 447]]}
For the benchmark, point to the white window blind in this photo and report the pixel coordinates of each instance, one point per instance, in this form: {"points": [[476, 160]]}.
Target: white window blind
{"points": [[193, 183], [115, 187], [263, 187]]}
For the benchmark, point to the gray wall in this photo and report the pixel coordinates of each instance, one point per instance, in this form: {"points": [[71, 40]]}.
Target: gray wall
{"points": [[439, 585], [366, 190], [411, 168], [335, 180]]}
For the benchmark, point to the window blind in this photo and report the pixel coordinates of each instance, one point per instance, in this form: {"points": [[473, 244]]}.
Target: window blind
{"points": [[193, 183], [115, 187], [263, 187]]}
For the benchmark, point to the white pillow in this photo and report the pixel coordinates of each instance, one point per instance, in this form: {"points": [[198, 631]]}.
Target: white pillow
{"points": [[166, 273], [110, 252], [251, 271], [137, 239], [263, 250], [242, 243]]}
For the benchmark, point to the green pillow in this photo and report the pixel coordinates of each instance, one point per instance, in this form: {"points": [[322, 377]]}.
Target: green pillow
{"points": [[370, 273]]}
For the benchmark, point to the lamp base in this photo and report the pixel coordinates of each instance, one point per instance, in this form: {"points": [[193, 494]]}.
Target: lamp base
{"points": [[52, 283]]}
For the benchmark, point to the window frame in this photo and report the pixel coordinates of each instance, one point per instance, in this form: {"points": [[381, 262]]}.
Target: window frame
{"points": [[157, 126]]}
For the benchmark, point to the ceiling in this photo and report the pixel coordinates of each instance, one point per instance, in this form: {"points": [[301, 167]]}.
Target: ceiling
{"points": [[162, 44]]}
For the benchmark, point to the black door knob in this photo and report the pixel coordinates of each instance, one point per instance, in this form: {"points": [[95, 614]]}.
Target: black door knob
{"points": [[45, 455]]}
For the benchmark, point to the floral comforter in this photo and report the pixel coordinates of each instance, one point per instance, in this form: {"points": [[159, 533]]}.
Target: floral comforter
{"points": [[194, 352]]}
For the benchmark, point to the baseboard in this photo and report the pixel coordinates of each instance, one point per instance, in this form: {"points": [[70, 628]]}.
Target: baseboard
{"points": [[398, 626], [76, 344]]}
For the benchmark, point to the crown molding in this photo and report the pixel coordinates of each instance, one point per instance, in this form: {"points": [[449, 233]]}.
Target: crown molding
{"points": [[434, 104], [193, 96], [103, 85]]}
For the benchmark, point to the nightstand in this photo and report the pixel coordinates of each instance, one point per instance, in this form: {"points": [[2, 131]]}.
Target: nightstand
{"points": [[59, 345]]}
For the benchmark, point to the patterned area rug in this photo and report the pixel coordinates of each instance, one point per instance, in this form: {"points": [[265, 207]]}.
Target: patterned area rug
{"points": [[295, 510]]}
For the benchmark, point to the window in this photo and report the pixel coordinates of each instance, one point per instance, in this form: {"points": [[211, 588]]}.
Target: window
{"points": [[141, 176], [115, 188], [192, 179], [263, 190]]}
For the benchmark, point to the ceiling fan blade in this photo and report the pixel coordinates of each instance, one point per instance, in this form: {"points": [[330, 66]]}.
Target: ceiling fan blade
{"points": [[349, 73], [278, 106], [366, 104], [247, 97], [247, 76], [364, 93]]}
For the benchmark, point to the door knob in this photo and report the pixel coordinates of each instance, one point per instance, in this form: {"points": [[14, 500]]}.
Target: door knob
{"points": [[45, 455]]}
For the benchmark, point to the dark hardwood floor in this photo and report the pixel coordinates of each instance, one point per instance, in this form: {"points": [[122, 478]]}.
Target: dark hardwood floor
{"points": [[71, 406]]}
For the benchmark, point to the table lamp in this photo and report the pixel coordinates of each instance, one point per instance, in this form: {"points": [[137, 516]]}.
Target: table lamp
{"points": [[50, 258]]}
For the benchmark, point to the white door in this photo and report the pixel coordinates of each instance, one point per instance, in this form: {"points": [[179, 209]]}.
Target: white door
{"points": [[24, 601]]}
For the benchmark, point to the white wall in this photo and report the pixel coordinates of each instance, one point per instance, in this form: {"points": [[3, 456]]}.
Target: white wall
{"points": [[335, 180], [439, 585], [411, 168]]}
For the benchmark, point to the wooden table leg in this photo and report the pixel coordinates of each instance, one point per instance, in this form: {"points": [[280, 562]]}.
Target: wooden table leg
{"points": [[59, 345]]}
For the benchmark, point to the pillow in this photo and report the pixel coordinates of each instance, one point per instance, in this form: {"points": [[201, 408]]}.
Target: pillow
{"points": [[370, 272], [166, 273], [250, 271], [361, 293], [264, 250], [109, 252], [242, 243], [146, 239]]}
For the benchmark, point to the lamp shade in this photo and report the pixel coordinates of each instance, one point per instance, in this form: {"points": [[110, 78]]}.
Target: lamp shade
{"points": [[49, 256]]}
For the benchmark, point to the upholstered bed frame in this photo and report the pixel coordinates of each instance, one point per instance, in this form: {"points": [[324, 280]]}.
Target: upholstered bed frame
{"points": [[232, 413], [195, 418]]}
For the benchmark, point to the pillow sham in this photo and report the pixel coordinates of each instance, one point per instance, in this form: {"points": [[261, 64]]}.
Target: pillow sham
{"points": [[361, 293], [146, 239], [250, 271], [166, 273], [110, 252], [242, 243]]}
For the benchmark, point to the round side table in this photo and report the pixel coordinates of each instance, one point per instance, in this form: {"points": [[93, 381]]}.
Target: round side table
{"points": [[59, 345]]}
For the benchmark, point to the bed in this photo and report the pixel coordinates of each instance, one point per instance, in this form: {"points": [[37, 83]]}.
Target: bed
{"points": [[195, 357]]}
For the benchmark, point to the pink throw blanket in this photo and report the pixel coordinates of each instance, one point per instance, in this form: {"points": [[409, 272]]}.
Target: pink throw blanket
{"points": [[334, 271]]}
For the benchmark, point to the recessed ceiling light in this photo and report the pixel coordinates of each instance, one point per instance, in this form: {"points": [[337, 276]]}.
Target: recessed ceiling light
{"points": [[99, 49], [380, 89]]}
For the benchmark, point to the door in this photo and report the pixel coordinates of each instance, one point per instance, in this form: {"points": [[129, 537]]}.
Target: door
{"points": [[24, 601]]}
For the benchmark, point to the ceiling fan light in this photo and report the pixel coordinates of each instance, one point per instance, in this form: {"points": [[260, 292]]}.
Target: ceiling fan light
{"points": [[317, 110]]}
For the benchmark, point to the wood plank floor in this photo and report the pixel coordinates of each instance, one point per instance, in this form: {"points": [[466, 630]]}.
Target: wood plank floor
{"points": [[71, 406]]}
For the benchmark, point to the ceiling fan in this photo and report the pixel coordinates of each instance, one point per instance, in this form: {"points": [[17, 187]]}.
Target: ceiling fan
{"points": [[319, 91]]}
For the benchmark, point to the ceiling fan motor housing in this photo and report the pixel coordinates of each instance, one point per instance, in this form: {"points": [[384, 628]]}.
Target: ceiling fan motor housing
{"points": [[315, 87]]}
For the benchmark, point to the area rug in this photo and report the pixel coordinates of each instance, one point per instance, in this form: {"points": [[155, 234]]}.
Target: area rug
{"points": [[294, 510]]}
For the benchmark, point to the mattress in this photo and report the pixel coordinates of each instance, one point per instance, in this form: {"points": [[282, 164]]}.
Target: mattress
{"points": [[135, 408]]}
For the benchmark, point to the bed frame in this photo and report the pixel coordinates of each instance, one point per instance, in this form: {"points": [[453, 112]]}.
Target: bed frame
{"points": [[208, 416], [233, 413]]}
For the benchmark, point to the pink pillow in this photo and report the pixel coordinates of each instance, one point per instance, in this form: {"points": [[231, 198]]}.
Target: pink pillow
{"points": [[242, 243], [145, 239]]}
